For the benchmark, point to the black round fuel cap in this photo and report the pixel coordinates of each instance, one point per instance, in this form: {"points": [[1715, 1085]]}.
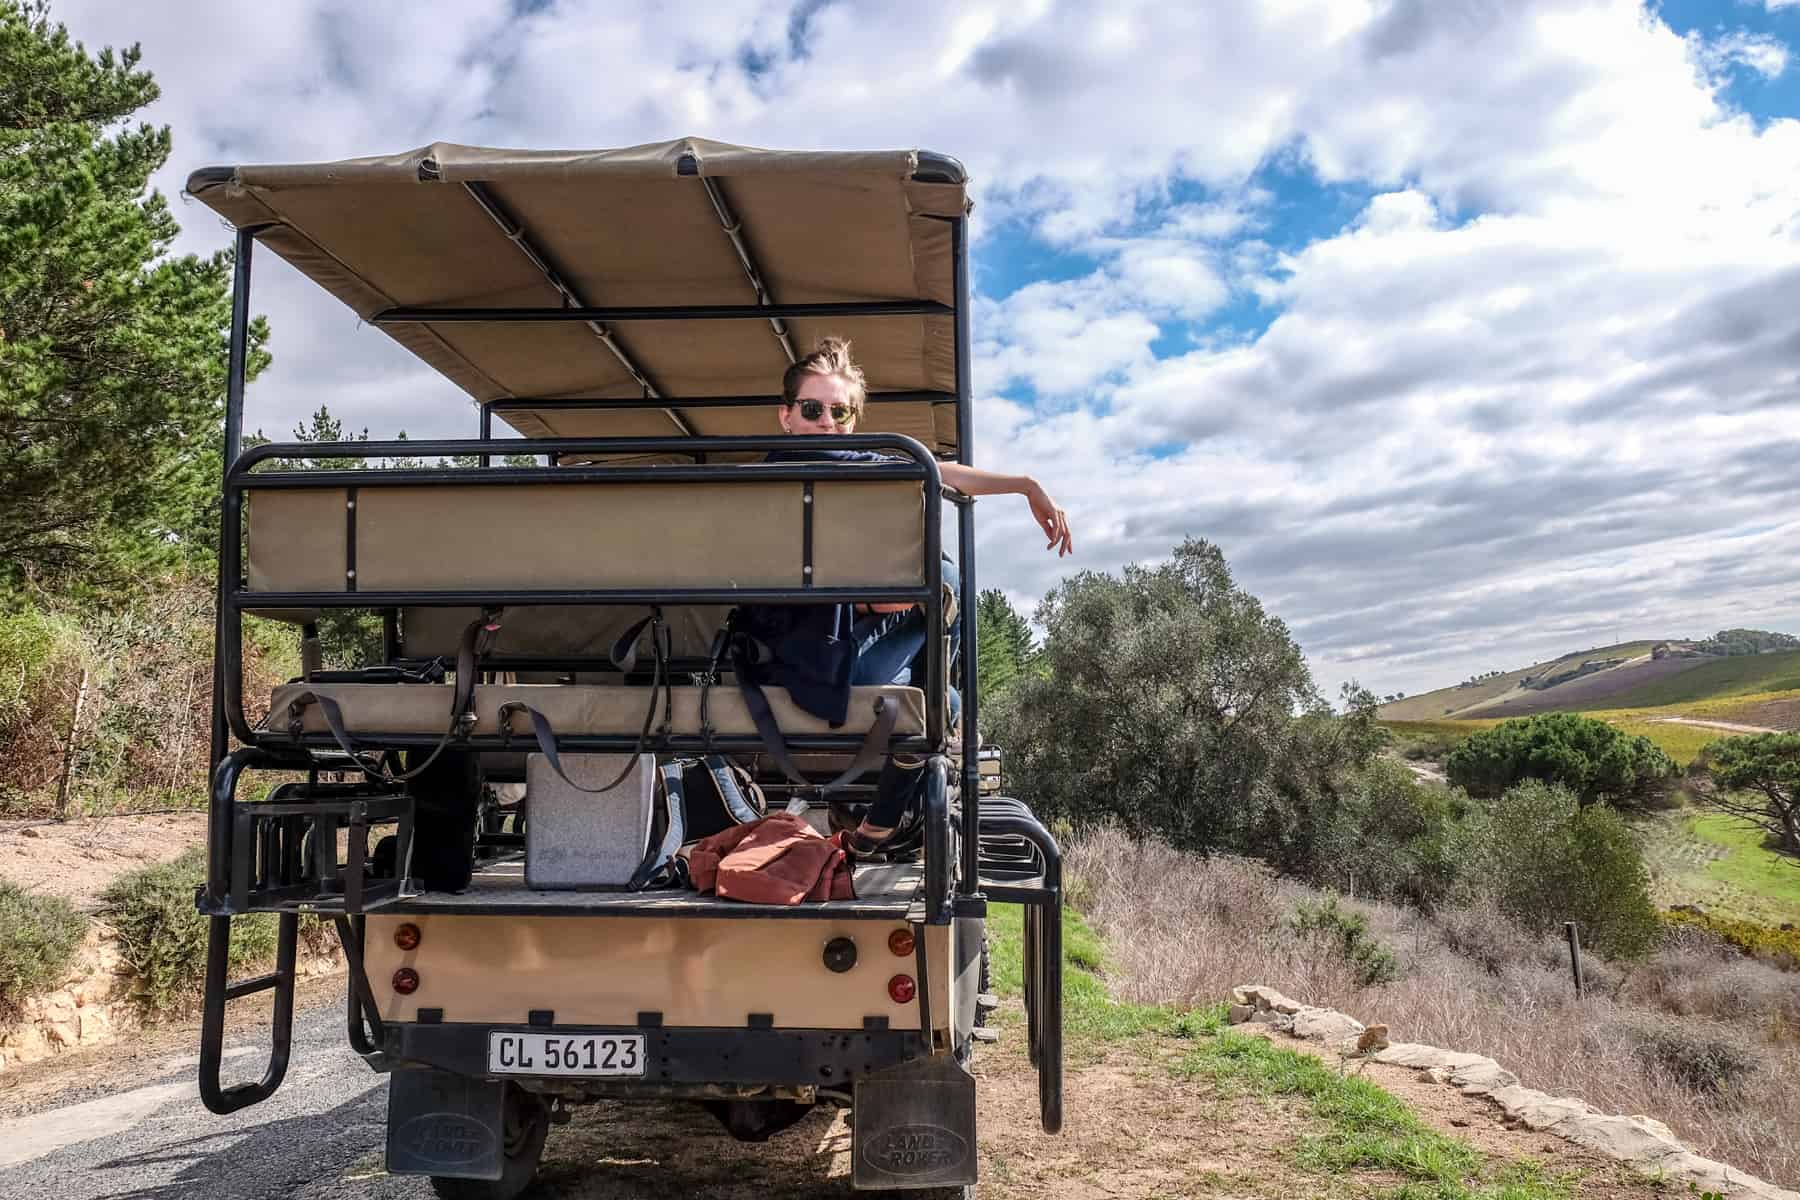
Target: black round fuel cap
{"points": [[840, 954]]}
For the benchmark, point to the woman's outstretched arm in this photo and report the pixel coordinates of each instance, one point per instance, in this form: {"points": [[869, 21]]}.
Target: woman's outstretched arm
{"points": [[1051, 519]]}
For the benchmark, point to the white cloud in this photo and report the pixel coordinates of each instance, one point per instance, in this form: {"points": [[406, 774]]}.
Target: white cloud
{"points": [[1765, 55], [1539, 385]]}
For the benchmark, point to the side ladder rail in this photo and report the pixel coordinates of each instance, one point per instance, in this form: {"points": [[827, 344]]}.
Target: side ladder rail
{"points": [[219, 991], [219, 988], [1042, 951]]}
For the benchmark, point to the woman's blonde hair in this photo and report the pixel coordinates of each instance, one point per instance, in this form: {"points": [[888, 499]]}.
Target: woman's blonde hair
{"points": [[830, 357]]}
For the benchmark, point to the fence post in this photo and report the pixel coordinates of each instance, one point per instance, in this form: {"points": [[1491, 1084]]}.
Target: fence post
{"points": [[1574, 935], [62, 783]]}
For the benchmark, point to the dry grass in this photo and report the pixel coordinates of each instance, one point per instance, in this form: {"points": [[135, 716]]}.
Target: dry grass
{"points": [[1725, 1075], [140, 677]]}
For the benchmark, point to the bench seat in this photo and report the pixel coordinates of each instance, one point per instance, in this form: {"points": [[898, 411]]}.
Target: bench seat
{"points": [[592, 710]]}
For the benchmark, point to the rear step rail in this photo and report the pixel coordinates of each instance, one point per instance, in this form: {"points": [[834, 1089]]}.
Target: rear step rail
{"points": [[1021, 864]]}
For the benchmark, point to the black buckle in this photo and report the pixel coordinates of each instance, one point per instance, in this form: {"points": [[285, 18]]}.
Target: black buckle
{"points": [[504, 718]]}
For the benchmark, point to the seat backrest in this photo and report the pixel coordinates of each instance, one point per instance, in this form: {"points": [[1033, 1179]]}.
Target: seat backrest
{"points": [[563, 536]]}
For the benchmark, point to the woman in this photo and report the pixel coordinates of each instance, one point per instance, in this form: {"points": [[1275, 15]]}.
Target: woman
{"points": [[824, 393]]}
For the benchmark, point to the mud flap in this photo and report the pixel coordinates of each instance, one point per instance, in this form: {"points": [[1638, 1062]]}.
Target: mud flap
{"points": [[444, 1124], [913, 1126]]}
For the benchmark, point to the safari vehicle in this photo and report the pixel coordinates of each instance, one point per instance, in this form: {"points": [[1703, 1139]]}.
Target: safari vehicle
{"points": [[629, 312]]}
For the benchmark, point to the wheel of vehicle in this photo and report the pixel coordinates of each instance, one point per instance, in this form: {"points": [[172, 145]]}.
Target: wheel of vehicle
{"points": [[527, 1124]]}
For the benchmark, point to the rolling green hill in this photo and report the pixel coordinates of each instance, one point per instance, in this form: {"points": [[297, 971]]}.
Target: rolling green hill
{"points": [[1464, 699]]}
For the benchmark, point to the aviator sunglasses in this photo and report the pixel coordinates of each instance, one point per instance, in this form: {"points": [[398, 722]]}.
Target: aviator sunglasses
{"points": [[812, 410]]}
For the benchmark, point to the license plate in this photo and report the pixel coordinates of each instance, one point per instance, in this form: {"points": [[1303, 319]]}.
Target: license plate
{"points": [[589, 1054]]}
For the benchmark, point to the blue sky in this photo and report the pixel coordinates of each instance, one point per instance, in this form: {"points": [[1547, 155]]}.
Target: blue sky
{"points": [[1467, 328]]}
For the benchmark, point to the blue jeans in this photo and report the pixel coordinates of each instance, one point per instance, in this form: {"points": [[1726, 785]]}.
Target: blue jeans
{"points": [[890, 650]]}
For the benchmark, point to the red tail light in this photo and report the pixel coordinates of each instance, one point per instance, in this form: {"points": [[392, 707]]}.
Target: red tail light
{"points": [[406, 981], [901, 989], [901, 942], [407, 936]]}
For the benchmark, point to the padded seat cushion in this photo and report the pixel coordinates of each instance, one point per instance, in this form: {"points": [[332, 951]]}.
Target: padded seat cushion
{"points": [[592, 709]]}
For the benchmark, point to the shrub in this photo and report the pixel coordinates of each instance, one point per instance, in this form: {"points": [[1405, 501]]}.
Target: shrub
{"points": [[1391, 837], [1594, 760], [1700, 1060], [1778, 946], [163, 937], [39, 936], [1549, 860], [1347, 934]]}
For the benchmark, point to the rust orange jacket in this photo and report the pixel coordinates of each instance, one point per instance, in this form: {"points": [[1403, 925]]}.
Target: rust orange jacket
{"points": [[777, 860]]}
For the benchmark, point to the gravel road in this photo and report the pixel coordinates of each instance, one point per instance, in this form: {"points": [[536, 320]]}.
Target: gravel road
{"points": [[141, 1133], [151, 1139]]}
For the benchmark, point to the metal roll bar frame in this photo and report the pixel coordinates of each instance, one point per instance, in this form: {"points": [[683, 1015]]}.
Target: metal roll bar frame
{"points": [[957, 892]]}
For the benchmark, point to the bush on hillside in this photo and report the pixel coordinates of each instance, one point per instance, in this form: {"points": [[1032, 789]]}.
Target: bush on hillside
{"points": [[1393, 837], [1347, 935], [146, 714], [1547, 859], [39, 936], [1778, 946], [163, 938], [1594, 760], [1700, 1059]]}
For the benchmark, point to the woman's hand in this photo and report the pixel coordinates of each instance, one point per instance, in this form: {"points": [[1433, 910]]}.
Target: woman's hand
{"points": [[1051, 519]]}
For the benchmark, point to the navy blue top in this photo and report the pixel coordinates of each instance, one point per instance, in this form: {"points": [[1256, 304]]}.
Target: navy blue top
{"points": [[812, 646]]}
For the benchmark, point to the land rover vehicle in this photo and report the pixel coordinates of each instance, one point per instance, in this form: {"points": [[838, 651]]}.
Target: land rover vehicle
{"points": [[629, 312]]}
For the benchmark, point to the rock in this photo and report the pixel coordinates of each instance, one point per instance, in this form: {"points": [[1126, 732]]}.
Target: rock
{"points": [[1325, 1025], [1483, 1078], [30, 831], [1536, 1110], [92, 1025], [1413, 1054], [1438, 1074], [1267, 998], [1239, 1013], [1620, 1137], [1270, 1017], [95, 989], [1654, 1126], [1241, 995]]}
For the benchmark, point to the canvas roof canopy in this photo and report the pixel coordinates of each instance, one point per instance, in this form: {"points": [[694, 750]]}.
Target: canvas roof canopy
{"points": [[671, 224]]}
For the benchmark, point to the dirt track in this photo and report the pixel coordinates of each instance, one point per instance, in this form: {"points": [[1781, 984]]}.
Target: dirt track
{"points": [[1727, 726]]}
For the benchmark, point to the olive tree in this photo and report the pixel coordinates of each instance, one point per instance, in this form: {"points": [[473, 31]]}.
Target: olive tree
{"points": [[1164, 700]]}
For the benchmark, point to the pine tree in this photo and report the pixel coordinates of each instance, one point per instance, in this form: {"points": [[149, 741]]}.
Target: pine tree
{"points": [[1006, 648], [112, 353]]}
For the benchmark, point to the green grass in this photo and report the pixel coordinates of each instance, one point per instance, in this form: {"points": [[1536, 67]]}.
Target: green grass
{"points": [[1364, 1128], [1749, 865], [1718, 863]]}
